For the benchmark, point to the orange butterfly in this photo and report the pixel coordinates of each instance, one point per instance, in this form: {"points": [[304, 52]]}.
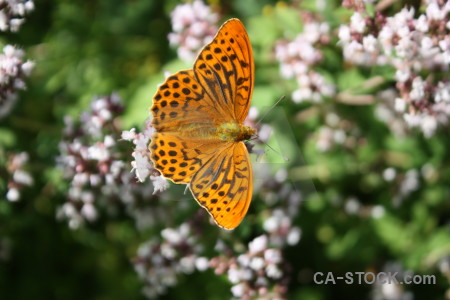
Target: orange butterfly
{"points": [[198, 115]]}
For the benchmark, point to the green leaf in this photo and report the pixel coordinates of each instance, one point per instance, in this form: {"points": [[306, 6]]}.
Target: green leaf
{"points": [[7, 137], [350, 79], [393, 234]]}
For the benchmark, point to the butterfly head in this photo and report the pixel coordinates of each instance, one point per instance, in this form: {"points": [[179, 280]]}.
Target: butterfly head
{"points": [[246, 133]]}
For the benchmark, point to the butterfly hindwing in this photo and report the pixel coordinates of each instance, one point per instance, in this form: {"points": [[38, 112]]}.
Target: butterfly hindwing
{"points": [[179, 158], [224, 184]]}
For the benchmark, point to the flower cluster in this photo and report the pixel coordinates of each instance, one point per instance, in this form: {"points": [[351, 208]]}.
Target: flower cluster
{"points": [[391, 289], [284, 200], [13, 70], [387, 112], [160, 261], [425, 105], [337, 131], [194, 25], [12, 13], [18, 176], [97, 165], [142, 165], [403, 185], [411, 46], [407, 182], [260, 272], [257, 273], [299, 57]]}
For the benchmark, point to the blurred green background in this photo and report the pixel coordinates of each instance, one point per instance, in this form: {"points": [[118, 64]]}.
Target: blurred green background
{"points": [[88, 48]]}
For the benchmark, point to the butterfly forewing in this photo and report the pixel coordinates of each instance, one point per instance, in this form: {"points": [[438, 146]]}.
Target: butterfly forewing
{"points": [[225, 70], [181, 102]]}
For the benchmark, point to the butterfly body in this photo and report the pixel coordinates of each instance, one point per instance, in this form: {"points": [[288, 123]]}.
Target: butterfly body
{"points": [[235, 132], [198, 116]]}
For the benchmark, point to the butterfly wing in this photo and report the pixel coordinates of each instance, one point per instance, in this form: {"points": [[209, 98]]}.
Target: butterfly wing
{"points": [[219, 174], [225, 70], [178, 157], [181, 102], [224, 184]]}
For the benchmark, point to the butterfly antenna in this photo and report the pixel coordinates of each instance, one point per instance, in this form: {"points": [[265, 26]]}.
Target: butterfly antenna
{"points": [[282, 156], [270, 109]]}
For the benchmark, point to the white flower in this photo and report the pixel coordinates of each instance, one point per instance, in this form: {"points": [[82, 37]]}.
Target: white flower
{"points": [[352, 49], [313, 30], [339, 136], [422, 23], [377, 211], [193, 42], [22, 177], [233, 275], [272, 256], [201, 263], [141, 142], [332, 119], [168, 251], [257, 263], [29, 6], [418, 89], [14, 24], [293, 236], [344, 33], [109, 141], [27, 67], [352, 206], [434, 12], [429, 125], [98, 152], [258, 244], [244, 260], [160, 184], [194, 25], [172, 236], [89, 211], [187, 264], [271, 224], [80, 179], [13, 195], [105, 114], [3, 21], [402, 75], [129, 135], [357, 23], [238, 290], [370, 43], [400, 105], [389, 174], [273, 271], [405, 47], [442, 93], [412, 120]]}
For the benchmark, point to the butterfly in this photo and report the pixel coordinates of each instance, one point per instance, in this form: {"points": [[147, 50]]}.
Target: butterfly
{"points": [[198, 116]]}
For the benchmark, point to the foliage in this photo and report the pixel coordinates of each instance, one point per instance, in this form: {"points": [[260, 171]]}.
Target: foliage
{"points": [[364, 125]]}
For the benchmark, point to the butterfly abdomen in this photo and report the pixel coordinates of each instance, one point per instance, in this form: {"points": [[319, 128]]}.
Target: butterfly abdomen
{"points": [[235, 132]]}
